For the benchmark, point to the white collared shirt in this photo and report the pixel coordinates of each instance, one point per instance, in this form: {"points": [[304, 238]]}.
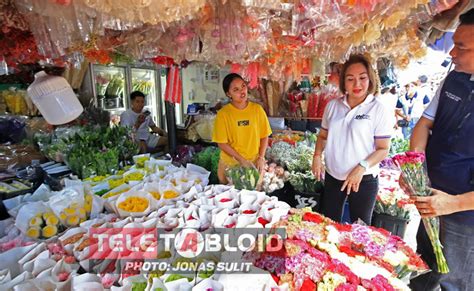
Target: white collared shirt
{"points": [[352, 134]]}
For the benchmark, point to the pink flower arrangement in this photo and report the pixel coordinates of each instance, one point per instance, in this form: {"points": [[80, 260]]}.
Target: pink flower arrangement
{"points": [[306, 261], [416, 178]]}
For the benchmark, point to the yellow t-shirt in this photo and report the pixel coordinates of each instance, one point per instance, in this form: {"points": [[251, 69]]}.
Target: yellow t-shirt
{"points": [[241, 129]]}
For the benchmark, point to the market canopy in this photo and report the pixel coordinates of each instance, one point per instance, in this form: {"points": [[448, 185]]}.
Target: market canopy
{"points": [[269, 38]]}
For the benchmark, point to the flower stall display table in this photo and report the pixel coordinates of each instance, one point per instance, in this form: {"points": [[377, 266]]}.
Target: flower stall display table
{"points": [[318, 252]]}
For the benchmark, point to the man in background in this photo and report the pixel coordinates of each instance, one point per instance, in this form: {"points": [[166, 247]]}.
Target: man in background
{"points": [[141, 123]]}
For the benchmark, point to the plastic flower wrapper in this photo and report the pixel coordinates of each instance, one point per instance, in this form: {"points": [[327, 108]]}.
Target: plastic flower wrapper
{"points": [[114, 192], [133, 175], [153, 188], [38, 221], [393, 202], [135, 203], [141, 159], [69, 206], [202, 173], [168, 191], [182, 181], [243, 177], [414, 173]]}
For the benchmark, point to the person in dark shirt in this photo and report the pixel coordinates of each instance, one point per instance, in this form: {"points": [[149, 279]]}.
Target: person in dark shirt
{"points": [[446, 133]]}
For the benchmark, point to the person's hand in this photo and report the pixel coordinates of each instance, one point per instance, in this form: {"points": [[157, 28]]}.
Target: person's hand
{"points": [[161, 132], [440, 203], [408, 118], [353, 180], [245, 163], [260, 163], [317, 168]]}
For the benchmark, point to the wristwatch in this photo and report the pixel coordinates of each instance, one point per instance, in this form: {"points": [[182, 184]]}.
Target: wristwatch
{"points": [[364, 164]]}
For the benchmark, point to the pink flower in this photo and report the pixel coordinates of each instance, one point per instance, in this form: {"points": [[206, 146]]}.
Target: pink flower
{"points": [[108, 280], [55, 248], [7, 246], [69, 259], [416, 156], [63, 276], [346, 287]]}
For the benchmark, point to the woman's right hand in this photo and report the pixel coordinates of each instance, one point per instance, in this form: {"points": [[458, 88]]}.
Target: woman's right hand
{"points": [[317, 168], [245, 163]]}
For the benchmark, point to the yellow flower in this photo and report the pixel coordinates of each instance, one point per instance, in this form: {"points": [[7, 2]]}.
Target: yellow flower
{"points": [[52, 220], [98, 178], [155, 194], [47, 214], [82, 212], [33, 232], [49, 231], [72, 220], [134, 204], [114, 183], [36, 221], [135, 176], [88, 207], [63, 216], [140, 162], [170, 194], [184, 180], [70, 210]]}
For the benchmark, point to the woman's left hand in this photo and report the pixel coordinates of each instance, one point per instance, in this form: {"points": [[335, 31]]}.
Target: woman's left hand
{"points": [[353, 180], [260, 163]]}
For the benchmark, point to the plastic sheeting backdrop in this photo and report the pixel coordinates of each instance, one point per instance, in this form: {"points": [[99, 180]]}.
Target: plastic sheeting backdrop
{"points": [[274, 39]]}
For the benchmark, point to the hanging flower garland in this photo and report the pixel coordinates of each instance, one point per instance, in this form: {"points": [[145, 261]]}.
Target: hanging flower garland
{"points": [[19, 47], [10, 18]]}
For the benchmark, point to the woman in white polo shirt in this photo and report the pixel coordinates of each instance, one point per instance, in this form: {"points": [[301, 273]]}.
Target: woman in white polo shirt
{"points": [[355, 137]]}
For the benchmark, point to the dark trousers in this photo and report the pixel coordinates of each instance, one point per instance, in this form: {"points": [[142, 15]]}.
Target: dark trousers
{"points": [[458, 249], [361, 203]]}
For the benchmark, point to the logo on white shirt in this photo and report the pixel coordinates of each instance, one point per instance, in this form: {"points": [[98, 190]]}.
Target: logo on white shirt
{"points": [[362, 116]]}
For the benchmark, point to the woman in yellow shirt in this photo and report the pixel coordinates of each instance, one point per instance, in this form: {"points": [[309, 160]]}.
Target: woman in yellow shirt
{"points": [[241, 129]]}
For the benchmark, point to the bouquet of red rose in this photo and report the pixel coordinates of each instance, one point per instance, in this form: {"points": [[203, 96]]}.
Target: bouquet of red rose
{"points": [[414, 173]]}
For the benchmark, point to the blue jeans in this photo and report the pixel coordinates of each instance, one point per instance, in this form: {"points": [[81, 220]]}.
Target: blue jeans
{"points": [[458, 249], [409, 129]]}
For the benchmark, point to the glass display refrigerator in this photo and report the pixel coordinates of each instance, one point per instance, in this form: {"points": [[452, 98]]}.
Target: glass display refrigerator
{"points": [[112, 85]]}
